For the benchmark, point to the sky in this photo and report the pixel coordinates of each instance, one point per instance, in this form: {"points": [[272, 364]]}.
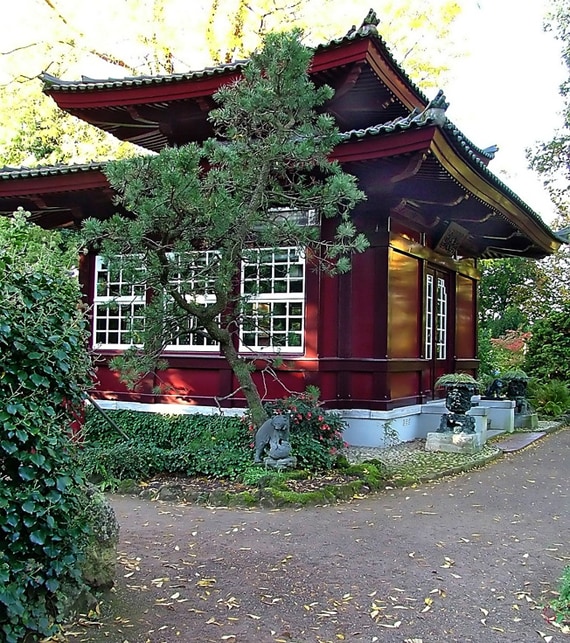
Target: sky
{"points": [[506, 91]]}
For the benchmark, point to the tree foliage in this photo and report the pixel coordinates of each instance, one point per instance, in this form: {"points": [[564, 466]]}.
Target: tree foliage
{"points": [[137, 37], [549, 348], [507, 295], [271, 157], [551, 159], [44, 369]]}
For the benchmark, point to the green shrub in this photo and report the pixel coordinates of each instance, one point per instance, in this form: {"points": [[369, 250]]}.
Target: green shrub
{"points": [[561, 605], [190, 445], [550, 398], [201, 445], [548, 351], [44, 369]]}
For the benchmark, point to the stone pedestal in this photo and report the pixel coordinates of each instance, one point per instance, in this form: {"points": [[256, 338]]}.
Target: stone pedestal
{"points": [[280, 463], [449, 442], [501, 414], [527, 421]]}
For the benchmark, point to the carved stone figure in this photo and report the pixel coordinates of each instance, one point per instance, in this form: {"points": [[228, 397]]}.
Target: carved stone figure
{"points": [[516, 390], [458, 402], [456, 423], [273, 432], [495, 389], [458, 398]]}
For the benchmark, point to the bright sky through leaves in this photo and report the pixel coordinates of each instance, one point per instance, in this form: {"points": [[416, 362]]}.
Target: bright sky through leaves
{"points": [[505, 92]]}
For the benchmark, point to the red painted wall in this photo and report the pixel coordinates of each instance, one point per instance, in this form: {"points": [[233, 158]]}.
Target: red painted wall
{"points": [[364, 339]]}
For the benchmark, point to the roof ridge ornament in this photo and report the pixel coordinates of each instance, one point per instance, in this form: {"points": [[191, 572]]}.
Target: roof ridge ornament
{"points": [[436, 108], [369, 24]]}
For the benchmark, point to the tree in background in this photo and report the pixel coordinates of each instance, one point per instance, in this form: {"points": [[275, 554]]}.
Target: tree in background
{"points": [[509, 302], [418, 34], [549, 347], [194, 228], [549, 350], [551, 160], [507, 296], [137, 37]]}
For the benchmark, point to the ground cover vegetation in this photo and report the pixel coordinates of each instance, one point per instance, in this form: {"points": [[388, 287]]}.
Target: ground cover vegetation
{"points": [[44, 369], [198, 445], [561, 605]]}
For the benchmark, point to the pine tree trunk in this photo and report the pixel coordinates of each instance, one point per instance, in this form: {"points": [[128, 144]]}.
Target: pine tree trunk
{"points": [[243, 374]]}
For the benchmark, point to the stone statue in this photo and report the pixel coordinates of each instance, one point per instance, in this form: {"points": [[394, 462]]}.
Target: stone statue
{"points": [[456, 423], [517, 391], [458, 402], [495, 390], [274, 433]]}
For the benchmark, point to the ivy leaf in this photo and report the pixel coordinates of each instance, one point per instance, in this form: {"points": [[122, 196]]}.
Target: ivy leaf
{"points": [[38, 537], [27, 473]]}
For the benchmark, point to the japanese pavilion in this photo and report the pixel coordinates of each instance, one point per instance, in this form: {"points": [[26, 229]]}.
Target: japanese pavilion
{"points": [[374, 340]]}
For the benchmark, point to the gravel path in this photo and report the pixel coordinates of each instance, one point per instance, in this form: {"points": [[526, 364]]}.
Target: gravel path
{"points": [[467, 559]]}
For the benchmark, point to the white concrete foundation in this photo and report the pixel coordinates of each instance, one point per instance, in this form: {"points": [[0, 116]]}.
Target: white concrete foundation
{"points": [[366, 428], [501, 414]]}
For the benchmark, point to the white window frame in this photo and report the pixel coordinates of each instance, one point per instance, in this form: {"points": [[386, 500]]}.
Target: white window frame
{"points": [[273, 293], [441, 320], [300, 217], [204, 298], [116, 303], [429, 301], [121, 303]]}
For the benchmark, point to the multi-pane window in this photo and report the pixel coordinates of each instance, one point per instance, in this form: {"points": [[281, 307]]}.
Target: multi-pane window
{"points": [[441, 321], [191, 276], [435, 317], [429, 317], [118, 307], [273, 288]]}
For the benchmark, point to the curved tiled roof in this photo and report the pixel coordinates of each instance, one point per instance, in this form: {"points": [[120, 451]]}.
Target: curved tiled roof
{"points": [[47, 170], [52, 83], [432, 117]]}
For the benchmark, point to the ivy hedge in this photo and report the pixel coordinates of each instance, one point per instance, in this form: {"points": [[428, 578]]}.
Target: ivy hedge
{"points": [[43, 370], [216, 446]]}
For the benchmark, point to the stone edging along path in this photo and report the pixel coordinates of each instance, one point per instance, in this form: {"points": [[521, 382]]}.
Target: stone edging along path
{"points": [[362, 477]]}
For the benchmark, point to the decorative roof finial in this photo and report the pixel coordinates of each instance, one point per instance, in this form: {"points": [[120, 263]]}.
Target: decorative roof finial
{"points": [[436, 108], [369, 24], [439, 101]]}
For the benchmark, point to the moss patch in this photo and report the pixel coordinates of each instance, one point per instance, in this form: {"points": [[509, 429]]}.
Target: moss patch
{"points": [[403, 465]]}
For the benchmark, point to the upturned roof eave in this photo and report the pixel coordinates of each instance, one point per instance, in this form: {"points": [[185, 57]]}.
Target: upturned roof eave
{"points": [[460, 162]]}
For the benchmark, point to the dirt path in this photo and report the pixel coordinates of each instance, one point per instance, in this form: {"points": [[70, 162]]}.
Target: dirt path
{"points": [[466, 559]]}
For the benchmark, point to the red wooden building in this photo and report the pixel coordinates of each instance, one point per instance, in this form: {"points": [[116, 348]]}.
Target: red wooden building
{"points": [[374, 340]]}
